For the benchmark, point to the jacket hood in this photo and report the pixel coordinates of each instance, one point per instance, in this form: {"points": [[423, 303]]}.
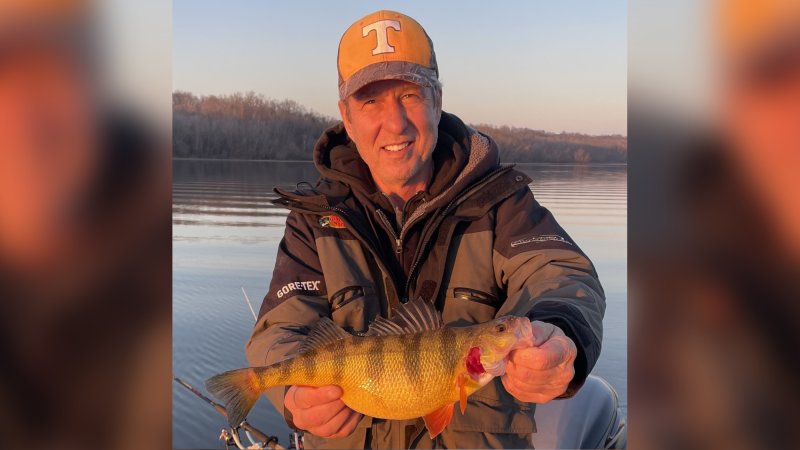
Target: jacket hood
{"points": [[462, 156]]}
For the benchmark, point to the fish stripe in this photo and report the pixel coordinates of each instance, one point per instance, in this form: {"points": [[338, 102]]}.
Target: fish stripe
{"points": [[448, 340], [338, 360], [285, 371], [377, 357], [309, 364], [411, 357]]}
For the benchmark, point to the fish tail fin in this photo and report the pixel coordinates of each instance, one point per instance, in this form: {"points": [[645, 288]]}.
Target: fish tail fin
{"points": [[238, 390]]}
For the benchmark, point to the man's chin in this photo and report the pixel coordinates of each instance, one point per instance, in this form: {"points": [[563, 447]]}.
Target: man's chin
{"points": [[401, 174], [396, 178]]}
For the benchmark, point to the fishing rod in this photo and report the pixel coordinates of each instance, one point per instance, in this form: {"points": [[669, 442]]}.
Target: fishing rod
{"points": [[231, 437], [252, 311]]}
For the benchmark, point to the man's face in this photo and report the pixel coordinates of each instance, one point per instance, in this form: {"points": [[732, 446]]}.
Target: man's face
{"points": [[394, 125]]}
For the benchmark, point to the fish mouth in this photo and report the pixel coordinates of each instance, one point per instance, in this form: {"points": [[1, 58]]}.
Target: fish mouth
{"points": [[497, 369]]}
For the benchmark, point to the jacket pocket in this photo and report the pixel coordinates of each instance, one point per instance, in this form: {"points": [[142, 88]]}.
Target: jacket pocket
{"points": [[354, 307], [468, 306], [475, 295], [345, 296]]}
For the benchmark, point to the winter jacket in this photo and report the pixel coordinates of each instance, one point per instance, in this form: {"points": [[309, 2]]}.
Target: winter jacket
{"points": [[476, 243]]}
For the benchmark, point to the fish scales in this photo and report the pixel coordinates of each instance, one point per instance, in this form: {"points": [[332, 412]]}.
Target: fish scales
{"points": [[388, 376], [384, 376]]}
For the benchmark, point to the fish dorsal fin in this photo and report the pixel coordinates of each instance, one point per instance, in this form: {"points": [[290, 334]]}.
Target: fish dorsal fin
{"points": [[325, 332], [383, 327], [414, 317]]}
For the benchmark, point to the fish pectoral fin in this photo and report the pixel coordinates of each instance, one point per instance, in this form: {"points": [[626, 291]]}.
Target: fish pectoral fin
{"points": [[462, 392], [324, 332], [437, 420]]}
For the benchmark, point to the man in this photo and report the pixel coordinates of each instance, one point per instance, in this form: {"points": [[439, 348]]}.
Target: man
{"points": [[412, 203]]}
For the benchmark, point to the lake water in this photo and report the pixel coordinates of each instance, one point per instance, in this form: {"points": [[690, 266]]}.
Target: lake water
{"points": [[226, 234]]}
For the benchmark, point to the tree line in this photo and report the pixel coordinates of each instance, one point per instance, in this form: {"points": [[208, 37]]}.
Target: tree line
{"points": [[251, 126]]}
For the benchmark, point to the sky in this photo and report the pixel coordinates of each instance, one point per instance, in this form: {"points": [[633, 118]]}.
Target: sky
{"points": [[557, 65]]}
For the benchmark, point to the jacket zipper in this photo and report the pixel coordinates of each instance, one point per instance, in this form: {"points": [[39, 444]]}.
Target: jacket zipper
{"points": [[440, 217], [398, 242], [424, 247], [475, 186]]}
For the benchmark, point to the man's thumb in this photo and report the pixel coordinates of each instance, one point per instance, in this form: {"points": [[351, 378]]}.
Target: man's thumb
{"points": [[542, 332]]}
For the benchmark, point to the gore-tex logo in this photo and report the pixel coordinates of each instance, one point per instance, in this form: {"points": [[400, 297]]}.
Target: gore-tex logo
{"points": [[298, 286]]}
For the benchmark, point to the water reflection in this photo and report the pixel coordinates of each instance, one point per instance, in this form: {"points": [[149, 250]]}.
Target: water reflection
{"points": [[230, 194]]}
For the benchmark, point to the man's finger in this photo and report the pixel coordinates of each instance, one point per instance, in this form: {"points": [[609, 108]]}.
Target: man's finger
{"points": [[318, 415], [534, 378], [549, 355], [545, 357], [537, 381], [563, 346], [533, 393], [306, 396]]}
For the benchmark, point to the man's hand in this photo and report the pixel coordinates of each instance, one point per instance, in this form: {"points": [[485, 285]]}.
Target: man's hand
{"points": [[320, 411], [541, 373]]}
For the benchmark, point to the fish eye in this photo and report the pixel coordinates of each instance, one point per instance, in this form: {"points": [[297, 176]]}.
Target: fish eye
{"points": [[501, 327]]}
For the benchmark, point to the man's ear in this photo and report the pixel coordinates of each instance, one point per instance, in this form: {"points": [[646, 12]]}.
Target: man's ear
{"points": [[345, 117]]}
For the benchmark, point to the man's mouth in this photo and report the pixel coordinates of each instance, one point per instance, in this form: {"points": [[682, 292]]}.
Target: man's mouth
{"points": [[397, 147]]}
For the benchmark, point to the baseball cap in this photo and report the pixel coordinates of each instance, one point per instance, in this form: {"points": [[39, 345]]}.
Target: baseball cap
{"points": [[385, 45]]}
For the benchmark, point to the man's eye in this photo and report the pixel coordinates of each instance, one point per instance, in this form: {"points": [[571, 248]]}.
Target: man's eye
{"points": [[370, 101]]}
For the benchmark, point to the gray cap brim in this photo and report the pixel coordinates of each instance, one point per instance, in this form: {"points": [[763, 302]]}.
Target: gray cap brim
{"points": [[388, 70]]}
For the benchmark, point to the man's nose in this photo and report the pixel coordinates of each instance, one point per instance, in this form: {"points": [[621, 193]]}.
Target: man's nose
{"points": [[395, 119]]}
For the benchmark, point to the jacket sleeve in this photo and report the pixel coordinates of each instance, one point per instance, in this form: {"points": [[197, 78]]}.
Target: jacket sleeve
{"points": [[547, 277], [296, 299]]}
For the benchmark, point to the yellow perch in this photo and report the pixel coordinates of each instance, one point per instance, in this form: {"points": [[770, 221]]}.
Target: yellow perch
{"points": [[405, 367]]}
